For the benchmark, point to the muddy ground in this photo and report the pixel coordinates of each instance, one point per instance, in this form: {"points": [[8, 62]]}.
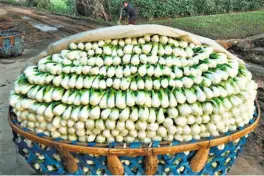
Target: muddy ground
{"points": [[42, 28]]}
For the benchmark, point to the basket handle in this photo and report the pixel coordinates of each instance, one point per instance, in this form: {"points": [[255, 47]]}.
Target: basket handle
{"points": [[116, 167], [151, 164], [114, 164], [12, 40], [200, 159], [69, 162], [1, 42], [197, 163]]}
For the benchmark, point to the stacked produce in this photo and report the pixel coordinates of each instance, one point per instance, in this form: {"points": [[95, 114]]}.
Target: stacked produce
{"points": [[149, 88]]}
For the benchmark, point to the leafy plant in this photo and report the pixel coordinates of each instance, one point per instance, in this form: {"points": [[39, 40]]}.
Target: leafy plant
{"points": [[149, 9], [42, 4]]}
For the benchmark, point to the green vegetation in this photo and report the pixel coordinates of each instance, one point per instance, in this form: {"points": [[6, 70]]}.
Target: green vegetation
{"points": [[151, 9], [223, 26], [220, 26], [13, 2], [63, 6], [60, 6]]}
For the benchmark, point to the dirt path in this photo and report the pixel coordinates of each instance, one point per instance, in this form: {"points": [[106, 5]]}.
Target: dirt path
{"points": [[62, 26], [69, 25], [41, 29]]}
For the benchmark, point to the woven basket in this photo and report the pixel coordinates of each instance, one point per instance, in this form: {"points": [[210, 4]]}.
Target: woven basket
{"points": [[4, 26], [11, 43], [56, 156]]}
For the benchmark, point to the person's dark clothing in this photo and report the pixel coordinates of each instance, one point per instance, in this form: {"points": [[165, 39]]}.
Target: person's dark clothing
{"points": [[132, 14], [132, 21]]}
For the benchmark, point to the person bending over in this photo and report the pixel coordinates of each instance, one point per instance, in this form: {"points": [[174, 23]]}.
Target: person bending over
{"points": [[130, 12]]}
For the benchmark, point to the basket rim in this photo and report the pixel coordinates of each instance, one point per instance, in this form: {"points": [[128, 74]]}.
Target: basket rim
{"points": [[18, 34], [126, 151]]}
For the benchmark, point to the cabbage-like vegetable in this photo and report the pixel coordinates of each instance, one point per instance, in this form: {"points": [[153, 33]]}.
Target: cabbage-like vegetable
{"points": [[134, 89]]}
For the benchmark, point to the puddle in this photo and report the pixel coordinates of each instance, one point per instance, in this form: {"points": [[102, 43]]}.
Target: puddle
{"points": [[29, 50], [43, 27], [25, 18]]}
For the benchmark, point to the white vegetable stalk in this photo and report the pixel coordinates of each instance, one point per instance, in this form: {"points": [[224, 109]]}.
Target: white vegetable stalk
{"points": [[40, 94], [102, 71], [164, 99], [157, 71], [201, 97], [160, 116], [77, 101], [124, 115], [59, 109], [155, 99], [164, 83], [208, 93], [142, 71], [161, 50], [141, 126], [107, 50], [120, 100], [190, 96], [103, 101], [180, 97], [148, 84], [128, 49], [146, 48], [84, 113], [102, 84], [143, 114], [156, 84], [148, 99], [73, 55], [187, 82], [130, 99], [48, 113], [126, 71], [140, 98], [67, 113], [108, 60], [95, 113], [134, 115], [184, 109], [95, 97], [140, 84]]}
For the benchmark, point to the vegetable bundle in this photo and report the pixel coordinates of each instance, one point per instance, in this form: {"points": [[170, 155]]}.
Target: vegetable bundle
{"points": [[147, 88]]}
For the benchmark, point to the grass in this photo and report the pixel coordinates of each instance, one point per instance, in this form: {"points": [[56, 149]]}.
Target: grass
{"points": [[222, 26], [59, 6], [13, 2]]}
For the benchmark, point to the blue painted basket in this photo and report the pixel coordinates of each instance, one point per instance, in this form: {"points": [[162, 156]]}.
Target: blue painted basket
{"points": [[11, 43], [55, 156]]}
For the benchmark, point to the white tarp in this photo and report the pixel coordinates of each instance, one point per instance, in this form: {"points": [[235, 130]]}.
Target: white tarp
{"points": [[116, 32]]}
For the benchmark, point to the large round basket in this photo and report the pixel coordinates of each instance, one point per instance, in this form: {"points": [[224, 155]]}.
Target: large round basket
{"points": [[11, 43], [56, 156]]}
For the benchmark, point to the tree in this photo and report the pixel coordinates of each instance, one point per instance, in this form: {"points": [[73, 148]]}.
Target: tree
{"points": [[91, 8]]}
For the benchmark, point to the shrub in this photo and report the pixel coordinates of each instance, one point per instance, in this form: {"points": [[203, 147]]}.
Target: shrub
{"points": [[148, 9], [42, 4]]}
